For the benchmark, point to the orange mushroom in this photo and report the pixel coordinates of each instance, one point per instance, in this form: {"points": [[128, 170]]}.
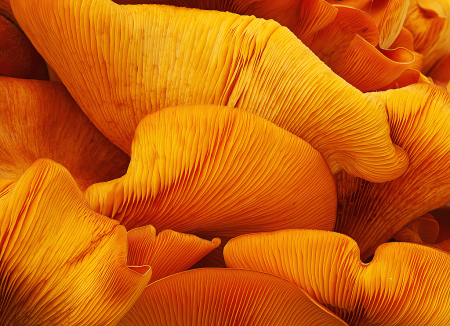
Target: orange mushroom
{"points": [[372, 213], [168, 252], [301, 17], [226, 297], [61, 263], [39, 119], [405, 284], [427, 230], [217, 171], [123, 62], [427, 21]]}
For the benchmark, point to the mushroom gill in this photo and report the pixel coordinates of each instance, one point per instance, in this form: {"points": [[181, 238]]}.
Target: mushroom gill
{"points": [[226, 297], [123, 62], [167, 253], [218, 172], [371, 213], [60, 262], [405, 284], [39, 119], [303, 17], [428, 22]]}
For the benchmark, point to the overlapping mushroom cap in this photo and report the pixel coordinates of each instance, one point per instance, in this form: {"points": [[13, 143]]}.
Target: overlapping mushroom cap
{"points": [[167, 253], [39, 119], [429, 23], [61, 263], [122, 62], [420, 123], [405, 284], [226, 297], [301, 17], [328, 30], [216, 171]]}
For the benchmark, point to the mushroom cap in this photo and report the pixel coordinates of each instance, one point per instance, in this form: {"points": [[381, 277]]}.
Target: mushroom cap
{"points": [[301, 17], [422, 230], [405, 284], [428, 22], [58, 255], [373, 213], [218, 171], [167, 253], [39, 119], [123, 62], [226, 297]]}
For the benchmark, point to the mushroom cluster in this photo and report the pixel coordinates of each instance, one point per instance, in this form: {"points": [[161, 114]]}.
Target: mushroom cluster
{"points": [[226, 163]]}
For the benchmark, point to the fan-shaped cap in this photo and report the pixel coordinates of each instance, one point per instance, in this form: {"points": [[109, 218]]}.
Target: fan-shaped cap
{"points": [[420, 123], [217, 171], [301, 17], [226, 297], [349, 46], [39, 119], [424, 229], [61, 263], [167, 253], [405, 284], [391, 23], [428, 231], [428, 22], [19, 58], [98, 52], [368, 68]]}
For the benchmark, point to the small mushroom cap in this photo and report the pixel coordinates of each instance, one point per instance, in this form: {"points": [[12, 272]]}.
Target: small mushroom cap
{"points": [[218, 171], [405, 284], [428, 22], [123, 62], [39, 119], [422, 230], [373, 213], [226, 297], [167, 253], [58, 255]]}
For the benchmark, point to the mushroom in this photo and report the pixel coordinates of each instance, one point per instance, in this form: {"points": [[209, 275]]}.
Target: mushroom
{"points": [[61, 263], [372, 213], [422, 230], [405, 284], [427, 230], [332, 27], [167, 253], [217, 171], [226, 297], [39, 119], [123, 62], [427, 21], [303, 18]]}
